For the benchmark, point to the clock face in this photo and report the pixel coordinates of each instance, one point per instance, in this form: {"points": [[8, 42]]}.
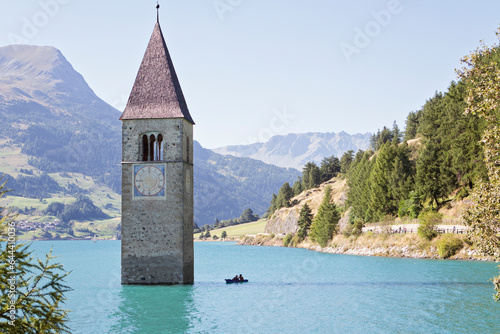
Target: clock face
{"points": [[149, 180]]}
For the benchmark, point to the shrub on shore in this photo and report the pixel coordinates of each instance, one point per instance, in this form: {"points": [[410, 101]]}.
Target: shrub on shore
{"points": [[296, 240], [428, 222], [287, 239], [449, 245]]}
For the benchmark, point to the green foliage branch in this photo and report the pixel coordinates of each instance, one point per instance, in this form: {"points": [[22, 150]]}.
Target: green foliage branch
{"points": [[31, 290], [481, 72]]}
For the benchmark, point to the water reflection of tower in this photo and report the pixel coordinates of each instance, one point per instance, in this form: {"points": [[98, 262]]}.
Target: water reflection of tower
{"points": [[144, 310]]}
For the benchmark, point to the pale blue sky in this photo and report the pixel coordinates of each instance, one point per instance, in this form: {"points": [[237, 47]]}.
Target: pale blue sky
{"points": [[252, 68]]}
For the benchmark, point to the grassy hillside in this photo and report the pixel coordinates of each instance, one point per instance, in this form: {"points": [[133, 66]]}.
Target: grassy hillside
{"points": [[15, 163], [239, 230], [12, 161]]}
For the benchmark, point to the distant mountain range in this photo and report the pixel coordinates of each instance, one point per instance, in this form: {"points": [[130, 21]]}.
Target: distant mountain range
{"points": [[295, 150], [225, 184], [48, 110]]}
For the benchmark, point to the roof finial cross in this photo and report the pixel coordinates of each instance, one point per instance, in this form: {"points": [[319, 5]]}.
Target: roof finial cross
{"points": [[157, 12]]}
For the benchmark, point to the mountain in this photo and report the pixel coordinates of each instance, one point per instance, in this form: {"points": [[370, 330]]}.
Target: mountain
{"points": [[49, 109], [54, 124], [295, 150], [225, 184], [32, 75]]}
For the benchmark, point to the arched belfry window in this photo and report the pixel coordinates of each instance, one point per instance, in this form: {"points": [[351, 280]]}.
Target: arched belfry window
{"points": [[151, 147], [160, 147], [145, 148]]}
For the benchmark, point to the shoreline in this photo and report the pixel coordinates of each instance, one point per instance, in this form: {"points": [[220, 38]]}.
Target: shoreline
{"points": [[378, 248]]}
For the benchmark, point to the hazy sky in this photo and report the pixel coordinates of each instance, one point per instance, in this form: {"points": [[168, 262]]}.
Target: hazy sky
{"points": [[250, 69]]}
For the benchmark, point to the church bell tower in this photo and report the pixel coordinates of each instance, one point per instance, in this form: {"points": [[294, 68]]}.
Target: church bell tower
{"points": [[157, 174]]}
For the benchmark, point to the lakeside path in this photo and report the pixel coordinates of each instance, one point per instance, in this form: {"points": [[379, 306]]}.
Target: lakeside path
{"points": [[413, 228]]}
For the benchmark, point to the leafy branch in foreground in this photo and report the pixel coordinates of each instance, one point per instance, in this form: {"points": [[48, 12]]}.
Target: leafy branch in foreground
{"points": [[31, 290], [481, 72]]}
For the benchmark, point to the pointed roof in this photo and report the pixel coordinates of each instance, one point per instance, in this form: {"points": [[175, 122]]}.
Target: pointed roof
{"points": [[156, 92]]}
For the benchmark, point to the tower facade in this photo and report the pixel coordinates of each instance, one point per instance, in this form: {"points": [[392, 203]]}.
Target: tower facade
{"points": [[157, 174]]}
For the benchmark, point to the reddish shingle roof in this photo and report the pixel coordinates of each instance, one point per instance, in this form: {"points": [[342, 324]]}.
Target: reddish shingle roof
{"points": [[156, 92]]}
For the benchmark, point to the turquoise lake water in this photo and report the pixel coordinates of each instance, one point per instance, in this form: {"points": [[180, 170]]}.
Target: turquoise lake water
{"points": [[290, 291]]}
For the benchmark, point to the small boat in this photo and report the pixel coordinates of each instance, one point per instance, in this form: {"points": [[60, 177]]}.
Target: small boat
{"points": [[233, 281]]}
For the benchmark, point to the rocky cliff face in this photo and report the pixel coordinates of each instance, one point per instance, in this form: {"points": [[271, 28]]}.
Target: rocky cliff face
{"points": [[285, 220]]}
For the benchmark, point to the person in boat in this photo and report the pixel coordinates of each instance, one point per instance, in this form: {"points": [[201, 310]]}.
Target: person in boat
{"points": [[236, 278], [241, 278]]}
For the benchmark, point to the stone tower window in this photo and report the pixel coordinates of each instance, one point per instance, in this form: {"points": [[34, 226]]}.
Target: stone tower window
{"points": [[187, 149], [151, 147], [159, 154], [145, 149]]}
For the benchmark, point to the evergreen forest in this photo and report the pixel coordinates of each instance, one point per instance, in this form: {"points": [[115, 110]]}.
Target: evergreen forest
{"points": [[436, 159]]}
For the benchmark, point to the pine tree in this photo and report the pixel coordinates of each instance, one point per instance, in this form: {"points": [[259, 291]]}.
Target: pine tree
{"points": [[359, 196], [326, 220], [412, 125], [429, 179], [382, 202], [297, 187], [382, 137], [314, 177], [346, 161], [284, 196], [330, 167], [305, 220], [401, 177], [311, 176], [463, 135], [272, 207], [396, 133], [435, 177]]}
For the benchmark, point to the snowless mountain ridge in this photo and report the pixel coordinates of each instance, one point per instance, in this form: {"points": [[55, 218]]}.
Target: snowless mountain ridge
{"points": [[42, 75]]}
